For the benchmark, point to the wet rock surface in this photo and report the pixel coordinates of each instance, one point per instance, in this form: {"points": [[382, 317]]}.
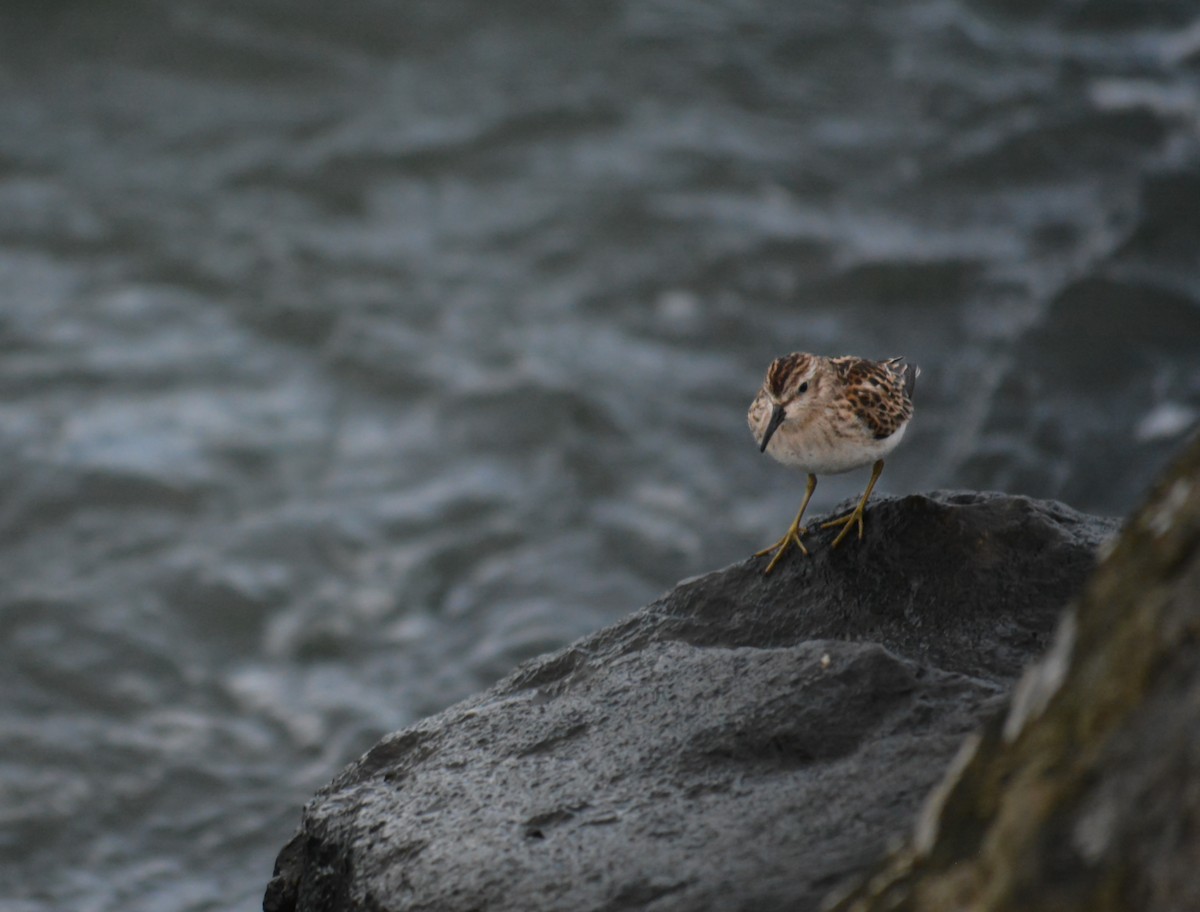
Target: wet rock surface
{"points": [[1085, 794], [745, 742]]}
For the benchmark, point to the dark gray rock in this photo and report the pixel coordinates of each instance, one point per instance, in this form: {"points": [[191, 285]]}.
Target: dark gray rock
{"points": [[745, 742], [1085, 794]]}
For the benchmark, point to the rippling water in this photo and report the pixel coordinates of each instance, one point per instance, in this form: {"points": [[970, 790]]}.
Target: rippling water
{"points": [[350, 354]]}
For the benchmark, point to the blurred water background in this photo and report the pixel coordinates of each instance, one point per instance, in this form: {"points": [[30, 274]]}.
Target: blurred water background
{"points": [[352, 353]]}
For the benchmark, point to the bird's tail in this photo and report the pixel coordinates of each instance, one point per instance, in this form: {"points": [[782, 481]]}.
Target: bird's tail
{"points": [[910, 373]]}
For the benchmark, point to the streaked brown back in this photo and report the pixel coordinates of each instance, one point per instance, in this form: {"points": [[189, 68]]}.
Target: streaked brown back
{"points": [[880, 392]]}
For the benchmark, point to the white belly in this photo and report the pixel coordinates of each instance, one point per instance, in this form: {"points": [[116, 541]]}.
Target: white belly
{"points": [[823, 455]]}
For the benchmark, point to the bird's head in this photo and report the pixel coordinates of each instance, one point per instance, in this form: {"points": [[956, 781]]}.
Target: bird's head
{"points": [[789, 392]]}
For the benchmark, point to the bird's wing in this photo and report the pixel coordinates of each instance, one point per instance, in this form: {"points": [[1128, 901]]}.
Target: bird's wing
{"points": [[879, 392]]}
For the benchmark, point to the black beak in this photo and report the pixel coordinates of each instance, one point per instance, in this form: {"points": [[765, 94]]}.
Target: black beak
{"points": [[777, 417]]}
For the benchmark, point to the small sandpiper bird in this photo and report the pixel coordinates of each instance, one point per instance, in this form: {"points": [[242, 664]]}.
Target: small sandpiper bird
{"points": [[830, 415]]}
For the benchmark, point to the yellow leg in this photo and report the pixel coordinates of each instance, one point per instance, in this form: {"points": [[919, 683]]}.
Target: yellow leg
{"points": [[855, 515], [795, 530]]}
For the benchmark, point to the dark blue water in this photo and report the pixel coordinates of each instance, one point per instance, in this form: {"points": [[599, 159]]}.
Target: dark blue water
{"points": [[352, 353]]}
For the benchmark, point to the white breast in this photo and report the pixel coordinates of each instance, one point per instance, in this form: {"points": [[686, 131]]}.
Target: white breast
{"points": [[821, 454]]}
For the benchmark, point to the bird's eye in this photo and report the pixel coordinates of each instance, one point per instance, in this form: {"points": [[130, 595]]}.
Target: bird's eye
{"points": [[804, 387]]}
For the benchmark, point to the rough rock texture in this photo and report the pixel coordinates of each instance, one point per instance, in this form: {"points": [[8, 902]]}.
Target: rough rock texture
{"points": [[744, 743], [1085, 795]]}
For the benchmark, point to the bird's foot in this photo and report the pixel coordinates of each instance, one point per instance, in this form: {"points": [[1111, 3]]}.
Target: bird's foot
{"points": [[791, 537], [847, 522]]}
